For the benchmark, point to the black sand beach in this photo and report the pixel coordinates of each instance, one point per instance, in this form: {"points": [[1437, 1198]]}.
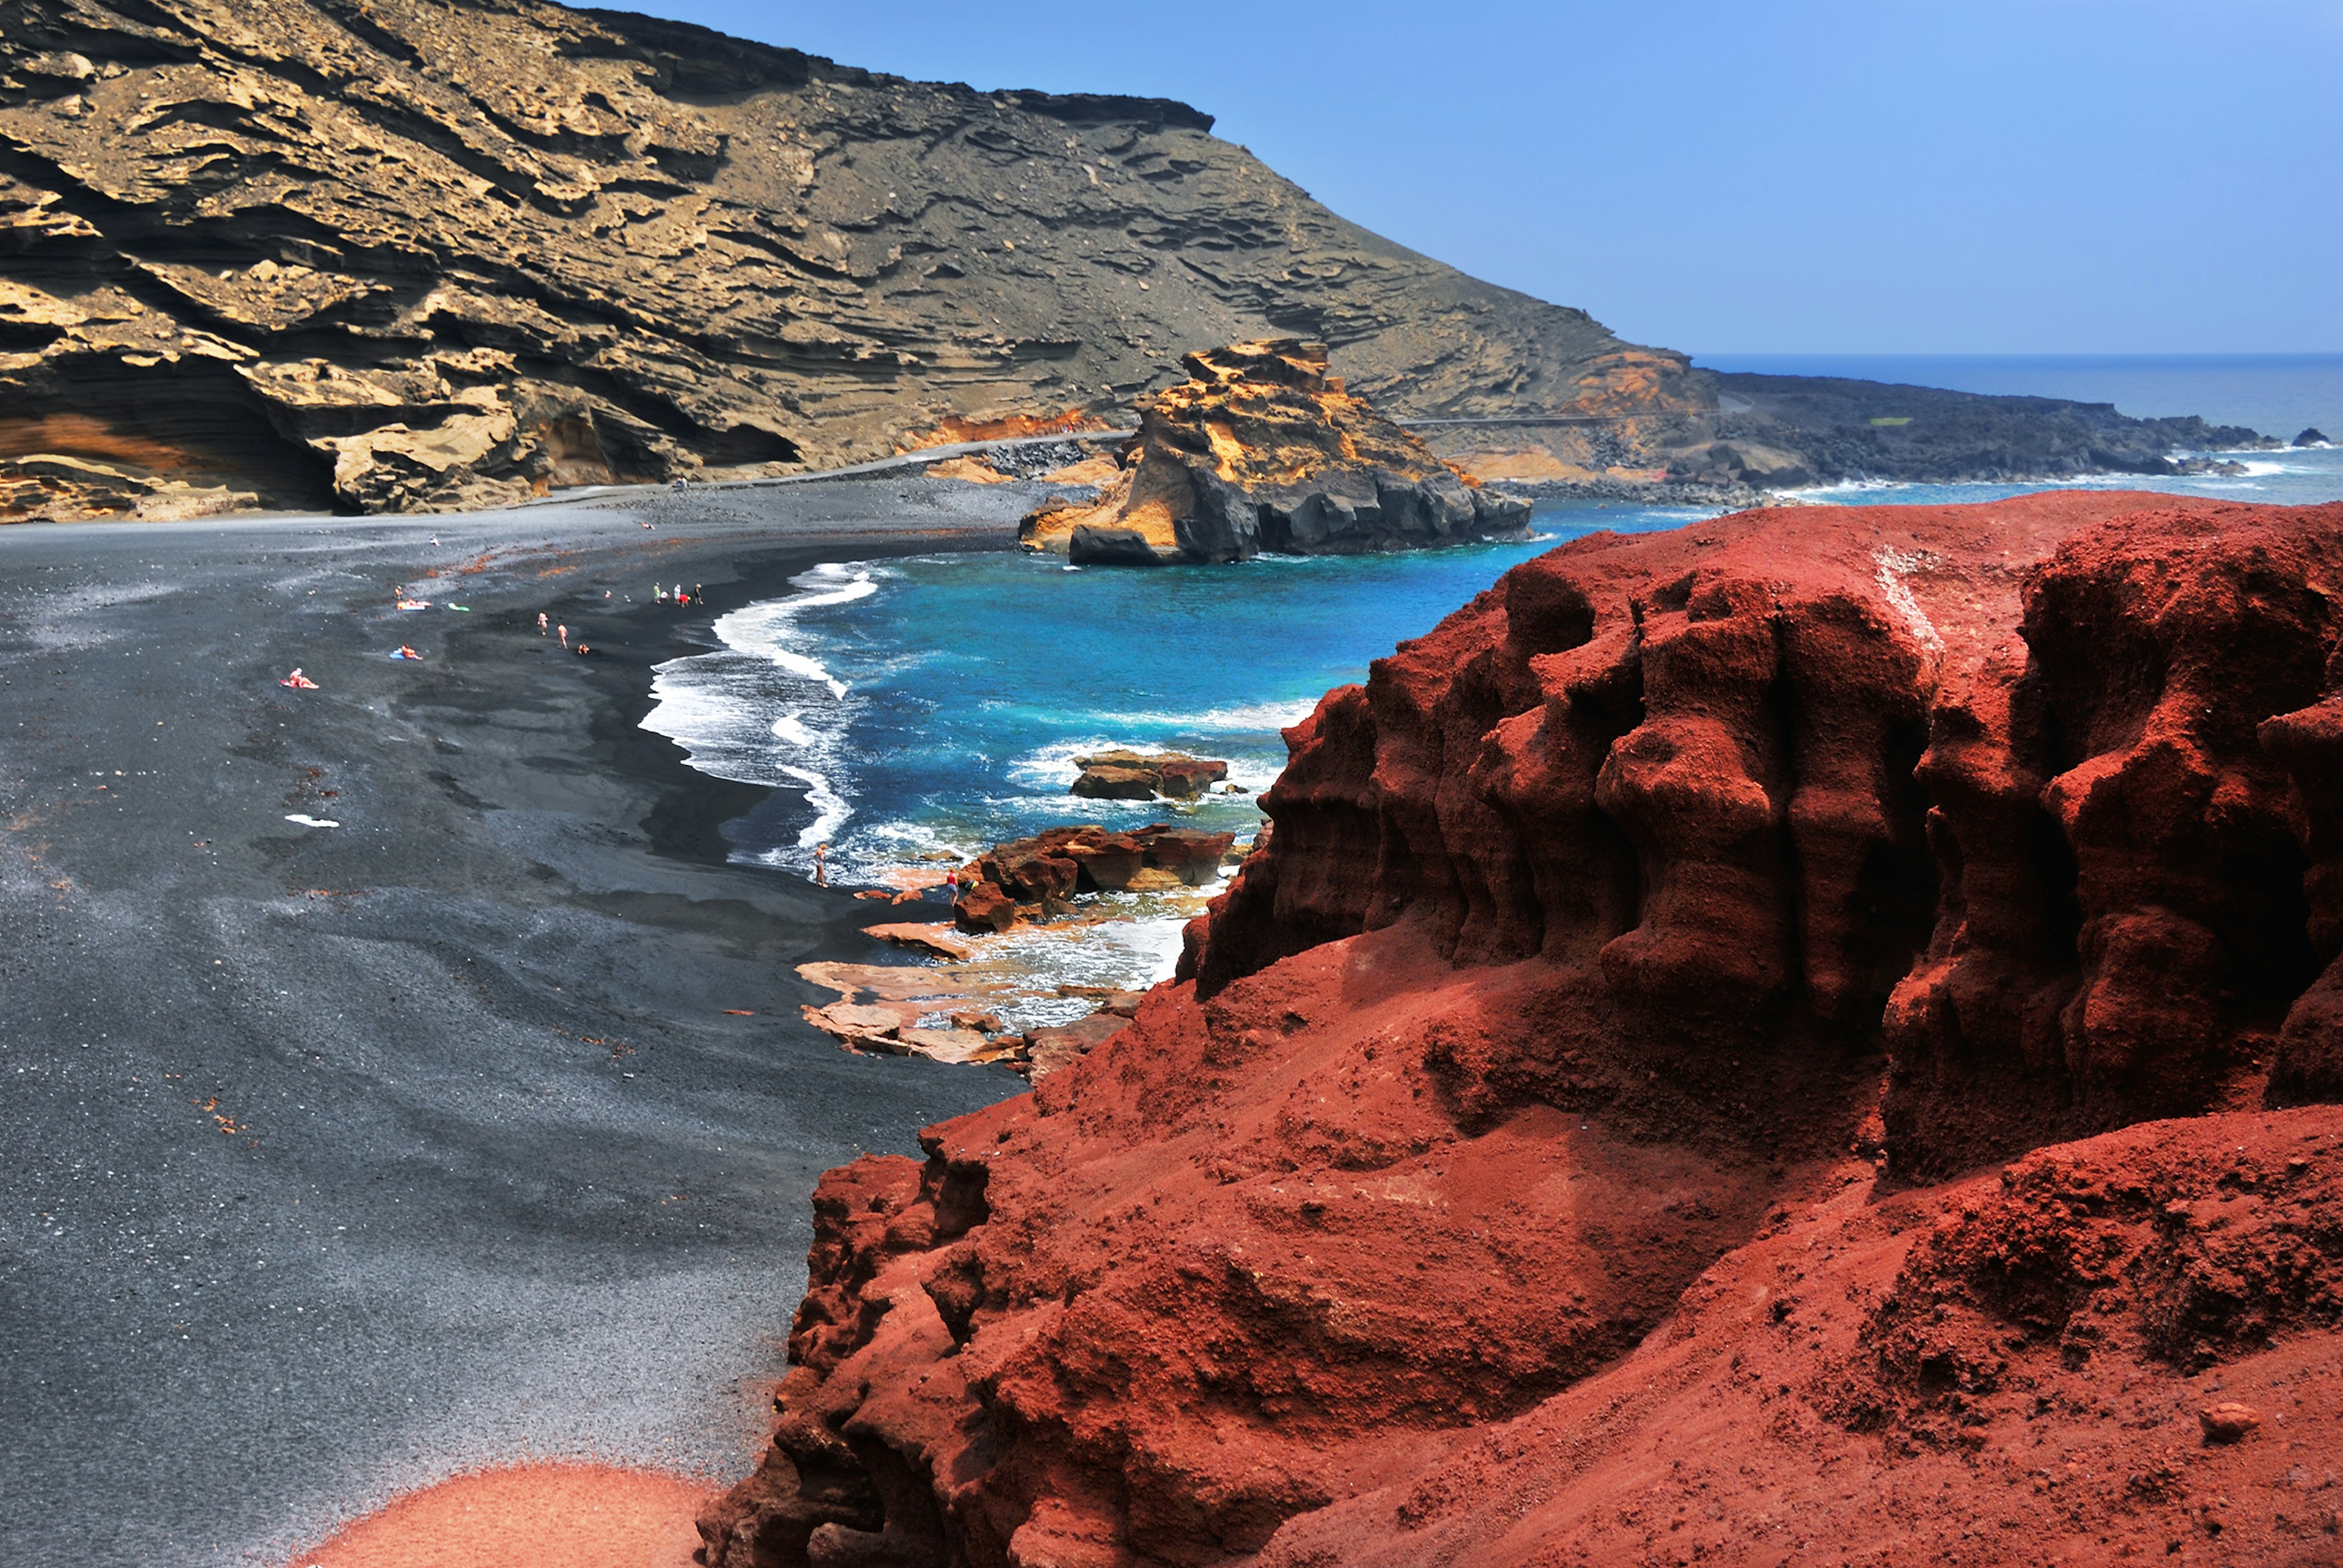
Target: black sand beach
{"points": [[341, 1158]]}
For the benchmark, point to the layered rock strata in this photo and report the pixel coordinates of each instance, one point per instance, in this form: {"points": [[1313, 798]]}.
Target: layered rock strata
{"points": [[1717, 438], [1261, 449], [412, 253], [1532, 1167]]}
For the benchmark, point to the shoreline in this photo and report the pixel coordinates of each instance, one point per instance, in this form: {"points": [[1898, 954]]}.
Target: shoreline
{"points": [[423, 1143]]}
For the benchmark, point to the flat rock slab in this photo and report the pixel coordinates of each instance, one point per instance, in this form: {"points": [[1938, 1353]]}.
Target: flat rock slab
{"points": [[935, 937]]}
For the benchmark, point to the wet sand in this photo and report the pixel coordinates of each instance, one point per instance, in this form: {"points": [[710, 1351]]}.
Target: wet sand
{"points": [[344, 1160]]}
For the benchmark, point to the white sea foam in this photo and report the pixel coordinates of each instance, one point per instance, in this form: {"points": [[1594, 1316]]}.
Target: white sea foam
{"points": [[719, 705], [1268, 716], [823, 798]]}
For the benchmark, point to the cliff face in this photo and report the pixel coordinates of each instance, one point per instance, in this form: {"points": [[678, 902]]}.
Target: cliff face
{"points": [[1986, 780], [412, 253], [1623, 959], [1261, 450]]}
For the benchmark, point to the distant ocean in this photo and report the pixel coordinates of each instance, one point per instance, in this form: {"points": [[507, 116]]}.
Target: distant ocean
{"points": [[911, 710], [2278, 395]]}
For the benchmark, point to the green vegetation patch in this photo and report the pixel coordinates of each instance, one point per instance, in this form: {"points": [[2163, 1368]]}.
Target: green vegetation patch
{"points": [[1893, 419]]}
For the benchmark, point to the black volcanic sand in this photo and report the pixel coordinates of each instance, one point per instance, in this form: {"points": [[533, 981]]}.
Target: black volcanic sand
{"points": [[342, 1158]]}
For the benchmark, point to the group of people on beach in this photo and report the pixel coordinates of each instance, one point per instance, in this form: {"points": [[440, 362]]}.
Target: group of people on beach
{"points": [[546, 626], [562, 631]]}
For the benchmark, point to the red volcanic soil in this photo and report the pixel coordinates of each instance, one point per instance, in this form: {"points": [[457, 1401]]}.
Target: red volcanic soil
{"points": [[530, 1516], [1801, 1040]]}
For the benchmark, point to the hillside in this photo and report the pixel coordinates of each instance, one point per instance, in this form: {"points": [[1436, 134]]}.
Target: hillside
{"points": [[412, 253], [426, 254]]}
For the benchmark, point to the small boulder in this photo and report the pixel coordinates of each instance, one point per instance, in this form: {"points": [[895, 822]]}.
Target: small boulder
{"points": [[985, 908], [2228, 1422]]}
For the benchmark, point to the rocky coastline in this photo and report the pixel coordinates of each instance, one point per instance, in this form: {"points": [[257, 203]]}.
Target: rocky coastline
{"points": [[425, 256], [1787, 1033], [1262, 450]]}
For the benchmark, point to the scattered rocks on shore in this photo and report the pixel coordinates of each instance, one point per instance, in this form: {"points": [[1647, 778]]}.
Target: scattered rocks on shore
{"points": [[1143, 776], [1038, 877], [948, 1013], [1262, 450]]}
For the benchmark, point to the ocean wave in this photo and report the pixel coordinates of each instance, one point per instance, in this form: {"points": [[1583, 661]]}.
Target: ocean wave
{"points": [[832, 806], [721, 707], [1251, 716]]}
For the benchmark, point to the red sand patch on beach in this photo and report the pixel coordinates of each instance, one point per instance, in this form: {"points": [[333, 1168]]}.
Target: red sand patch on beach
{"points": [[529, 1516]]}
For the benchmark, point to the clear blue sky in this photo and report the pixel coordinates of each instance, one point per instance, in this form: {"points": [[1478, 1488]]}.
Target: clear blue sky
{"points": [[1730, 175]]}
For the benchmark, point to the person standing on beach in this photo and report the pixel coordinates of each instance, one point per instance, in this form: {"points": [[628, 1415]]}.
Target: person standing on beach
{"points": [[541, 623], [820, 870], [565, 637], [952, 889]]}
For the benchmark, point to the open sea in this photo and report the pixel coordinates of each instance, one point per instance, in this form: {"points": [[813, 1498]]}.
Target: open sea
{"points": [[911, 712]]}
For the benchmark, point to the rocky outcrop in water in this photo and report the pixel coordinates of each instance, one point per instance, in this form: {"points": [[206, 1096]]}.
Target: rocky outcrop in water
{"points": [[412, 253], [1262, 450], [1535, 1163], [1035, 878], [1143, 776]]}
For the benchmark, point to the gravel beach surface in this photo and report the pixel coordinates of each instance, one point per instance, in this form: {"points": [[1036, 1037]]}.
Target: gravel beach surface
{"points": [[341, 1158]]}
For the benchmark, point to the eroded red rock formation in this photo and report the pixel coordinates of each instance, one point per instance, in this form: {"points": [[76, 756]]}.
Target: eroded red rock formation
{"points": [[1528, 1168]]}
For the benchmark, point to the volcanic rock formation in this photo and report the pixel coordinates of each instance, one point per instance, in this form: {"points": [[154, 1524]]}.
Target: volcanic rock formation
{"points": [[1039, 876], [1142, 775], [1530, 1167], [389, 254], [1262, 450], [412, 253]]}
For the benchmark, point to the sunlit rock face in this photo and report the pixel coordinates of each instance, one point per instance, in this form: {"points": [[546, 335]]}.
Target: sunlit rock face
{"points": [[1261, 449], [419, 254]]}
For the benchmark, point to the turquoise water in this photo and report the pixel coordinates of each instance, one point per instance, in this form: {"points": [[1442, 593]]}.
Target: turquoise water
{"points": [[908, 711], [910, 707]]}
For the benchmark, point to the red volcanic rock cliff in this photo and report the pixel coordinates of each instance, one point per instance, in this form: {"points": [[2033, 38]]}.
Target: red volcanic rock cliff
{"points": [[1531, 1164]]}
